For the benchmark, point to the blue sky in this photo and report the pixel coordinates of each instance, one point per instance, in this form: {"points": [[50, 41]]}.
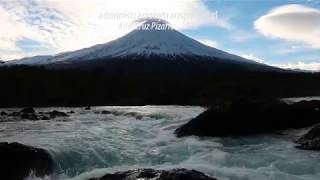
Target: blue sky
{"points": [[285, 33], [242, 15]]}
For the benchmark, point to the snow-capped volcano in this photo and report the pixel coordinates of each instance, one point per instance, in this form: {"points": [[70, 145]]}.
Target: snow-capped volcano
{"points": [[153, 37]]}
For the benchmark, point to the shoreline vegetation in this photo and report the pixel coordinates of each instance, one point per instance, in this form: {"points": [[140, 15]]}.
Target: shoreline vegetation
{"points": [[24, 86]]}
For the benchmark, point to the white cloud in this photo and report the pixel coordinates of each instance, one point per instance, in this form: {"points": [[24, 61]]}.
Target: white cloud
{"points": [[310, 66], [292, 22], [300, 65], [74, 24], [252, 56], [291, 49], [209, 42], [180, 13]]}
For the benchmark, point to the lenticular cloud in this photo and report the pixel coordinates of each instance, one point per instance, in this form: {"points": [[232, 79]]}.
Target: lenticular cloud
{"points": [[292, 22]]}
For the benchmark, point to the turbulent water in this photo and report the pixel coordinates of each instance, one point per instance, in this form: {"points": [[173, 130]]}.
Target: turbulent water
{"points": [[90, 144]]}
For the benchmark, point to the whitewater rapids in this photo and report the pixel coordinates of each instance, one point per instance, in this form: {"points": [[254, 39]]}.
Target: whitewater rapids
{"points": [[90, 144]]}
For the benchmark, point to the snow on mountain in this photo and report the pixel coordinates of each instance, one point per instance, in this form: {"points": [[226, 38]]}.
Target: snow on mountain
{"points": [[29, 60], [153, 37]]}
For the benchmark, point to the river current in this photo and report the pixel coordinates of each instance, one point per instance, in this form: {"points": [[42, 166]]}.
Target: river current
{"points": [[90, 144]]}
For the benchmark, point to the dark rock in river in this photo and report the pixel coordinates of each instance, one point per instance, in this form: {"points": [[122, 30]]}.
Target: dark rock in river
{"points": [[106, 112], [3, 114], [14, 114], [55, 114], [311, 140], [151, 174], [27, 111], [43, 117], [244, 117], [31, 114], [135, 115], [18, 161]]}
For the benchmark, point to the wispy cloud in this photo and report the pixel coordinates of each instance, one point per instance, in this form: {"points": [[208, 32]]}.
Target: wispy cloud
{"points": [[292, 49], [308, 66], [69, 25], [252, 56], [209, 42], [12, 30]]}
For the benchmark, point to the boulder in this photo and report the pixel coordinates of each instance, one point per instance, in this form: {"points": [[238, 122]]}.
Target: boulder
{"points": [[106, 112], [55, 114], [29, 116], [43, 117], [134, 114], [28, 113], [3, 113], [28, 110], [87, 108], [245, 117], [18, 161], [14, 114], [310, 140], [151, 174]]}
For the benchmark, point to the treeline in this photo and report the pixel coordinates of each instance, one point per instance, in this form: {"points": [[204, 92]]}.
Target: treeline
{"points": [[38, 86]]}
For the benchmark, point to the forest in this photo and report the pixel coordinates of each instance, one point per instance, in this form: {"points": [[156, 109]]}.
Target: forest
{"points": [[42, 86]]}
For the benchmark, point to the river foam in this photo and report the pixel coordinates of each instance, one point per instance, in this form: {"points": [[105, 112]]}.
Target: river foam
{"points": [[90, 144]]}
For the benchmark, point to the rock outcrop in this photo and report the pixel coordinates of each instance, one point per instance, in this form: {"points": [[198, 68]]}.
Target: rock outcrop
{"points": [[245, 117], [31, 114], [311, 140], [28, 113], [151, 174], [17, 161]]}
